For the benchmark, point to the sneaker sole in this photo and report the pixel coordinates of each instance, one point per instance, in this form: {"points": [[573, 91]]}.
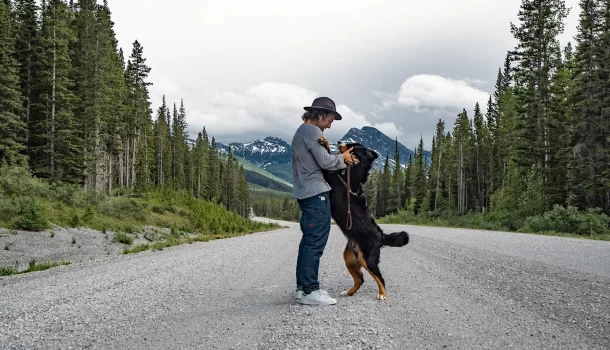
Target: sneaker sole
{"points": [[307, 302]]}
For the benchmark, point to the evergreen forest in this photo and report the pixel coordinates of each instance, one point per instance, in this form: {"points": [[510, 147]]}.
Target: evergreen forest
{"points": [[76, 121], [538, 160]]}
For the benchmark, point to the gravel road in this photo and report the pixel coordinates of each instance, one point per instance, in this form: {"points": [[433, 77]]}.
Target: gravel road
{"points": [[447, 289]]}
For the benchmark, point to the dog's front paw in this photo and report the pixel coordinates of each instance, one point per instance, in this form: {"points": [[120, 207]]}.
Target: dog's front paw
{"points": [[381, 297], [345, 292], [324, 142]]}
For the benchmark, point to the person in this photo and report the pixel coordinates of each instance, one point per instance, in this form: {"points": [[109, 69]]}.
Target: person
{"points": [[311, 191]]}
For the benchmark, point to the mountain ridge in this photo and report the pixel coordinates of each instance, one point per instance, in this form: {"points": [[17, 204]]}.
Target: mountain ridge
{"points": [[274, 154]]}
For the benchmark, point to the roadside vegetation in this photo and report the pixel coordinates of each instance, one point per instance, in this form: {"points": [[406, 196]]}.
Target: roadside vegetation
{"points": [[164, 218]]}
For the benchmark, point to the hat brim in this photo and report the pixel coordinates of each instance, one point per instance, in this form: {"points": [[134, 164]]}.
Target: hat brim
{"points": [[337, 115]]}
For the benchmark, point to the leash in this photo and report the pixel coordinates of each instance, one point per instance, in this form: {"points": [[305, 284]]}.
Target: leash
{"points": [[349, 191], [324, 142]]}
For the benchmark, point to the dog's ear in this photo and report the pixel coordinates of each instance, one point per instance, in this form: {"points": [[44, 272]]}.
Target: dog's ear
{"points": [[374, 154]]}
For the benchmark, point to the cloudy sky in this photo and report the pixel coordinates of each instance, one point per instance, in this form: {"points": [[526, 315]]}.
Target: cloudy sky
{"points": [[246, 69]]}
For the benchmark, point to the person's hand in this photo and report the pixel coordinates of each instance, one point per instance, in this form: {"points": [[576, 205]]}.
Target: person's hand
{"points": [[349, 158]]}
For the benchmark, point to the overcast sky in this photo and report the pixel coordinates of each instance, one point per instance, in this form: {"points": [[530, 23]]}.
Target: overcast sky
{"points": [[246, 69]]}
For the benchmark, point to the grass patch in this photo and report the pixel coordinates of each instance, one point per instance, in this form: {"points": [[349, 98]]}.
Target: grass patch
{"points": [[33, 266], [172, 241], [32, 204], [560, 221], [136, 249], [122, 238]]}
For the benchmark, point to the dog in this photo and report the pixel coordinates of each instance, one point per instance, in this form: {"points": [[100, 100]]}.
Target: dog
{"points": [[349, 209]]}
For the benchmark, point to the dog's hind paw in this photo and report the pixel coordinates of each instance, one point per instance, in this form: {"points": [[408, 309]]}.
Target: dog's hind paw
{"points": [[344, 293], [382, 297]]}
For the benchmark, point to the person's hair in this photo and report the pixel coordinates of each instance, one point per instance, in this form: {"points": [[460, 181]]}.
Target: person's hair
{"points": [[314, 115]]}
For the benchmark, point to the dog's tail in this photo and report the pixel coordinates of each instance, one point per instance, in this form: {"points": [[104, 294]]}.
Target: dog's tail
{"points": [[396, 239]]}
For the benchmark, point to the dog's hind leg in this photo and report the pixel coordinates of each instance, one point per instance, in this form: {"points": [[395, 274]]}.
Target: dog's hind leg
{"points": [[352, 262], [371, 264]]}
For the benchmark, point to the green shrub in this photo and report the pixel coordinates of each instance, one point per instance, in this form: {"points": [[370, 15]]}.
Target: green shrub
{"points": [[122, 208], [75, 220], [18, 181], [89, 215], [71, 195], [122, 238], [8, 209], [136, 249], [31, 216], [569, 220], [7, 270]]}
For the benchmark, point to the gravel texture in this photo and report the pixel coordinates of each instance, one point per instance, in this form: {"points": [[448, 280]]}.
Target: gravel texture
{"points": [[65, 244], [447, 289]]}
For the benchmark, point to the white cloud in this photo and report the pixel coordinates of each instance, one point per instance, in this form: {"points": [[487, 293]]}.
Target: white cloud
{"points": [[265, 109], [432, 92], [268, 109], [216, 54], [390, 129]]}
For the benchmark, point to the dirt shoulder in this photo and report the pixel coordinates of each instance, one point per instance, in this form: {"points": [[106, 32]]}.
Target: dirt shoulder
{"points": [[74, 245]]}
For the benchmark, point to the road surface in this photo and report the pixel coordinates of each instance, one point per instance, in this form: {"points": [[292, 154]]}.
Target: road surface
{"points": [[447, 289]]}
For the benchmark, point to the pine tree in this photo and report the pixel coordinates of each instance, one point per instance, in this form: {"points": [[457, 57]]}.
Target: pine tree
{"points": [[541, 22], [559, 135], [419, 177], [112, 105], [161, 132], [26, 47], [463, 136], [383, 189], [438, 146], [12, 128], [54, 143], [213, 171], [179, 136], [590, 135], [449, 169], [139, 147], [396, 182], [603, 133], [408, 189], [480, 171]]}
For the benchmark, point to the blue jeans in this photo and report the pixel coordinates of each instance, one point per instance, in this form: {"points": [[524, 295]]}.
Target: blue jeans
{"points": [[315, 225]]}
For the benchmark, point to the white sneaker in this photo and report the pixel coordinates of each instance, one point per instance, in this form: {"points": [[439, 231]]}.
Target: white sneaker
{"points": [[298, 293], [317, 297]]}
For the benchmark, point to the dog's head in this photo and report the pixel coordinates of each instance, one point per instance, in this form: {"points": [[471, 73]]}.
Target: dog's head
{"points": [[365, 156]]}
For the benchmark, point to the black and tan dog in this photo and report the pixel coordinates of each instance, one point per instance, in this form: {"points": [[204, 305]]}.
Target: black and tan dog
{"points": [[350, 211]]}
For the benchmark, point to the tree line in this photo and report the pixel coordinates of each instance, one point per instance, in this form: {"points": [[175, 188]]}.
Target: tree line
{"points": [[74, 110], [544, 140]]}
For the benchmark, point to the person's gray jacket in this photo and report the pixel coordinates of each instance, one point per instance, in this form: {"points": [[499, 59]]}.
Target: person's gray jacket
{"points": [[308, 159]]}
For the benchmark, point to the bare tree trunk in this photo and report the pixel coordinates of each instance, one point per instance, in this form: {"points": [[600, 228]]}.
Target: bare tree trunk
{"points": [[133, 162], [99, 171], [461, 191], [199, 181], [126, 169], [438, 177], [479, 183], [120, 170], [53, 102], [547, 155], [146, 173], [109, 174], [29, 95]]}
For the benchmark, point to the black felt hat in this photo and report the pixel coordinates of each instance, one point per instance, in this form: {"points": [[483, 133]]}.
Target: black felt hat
{"points": [[324, 104]]}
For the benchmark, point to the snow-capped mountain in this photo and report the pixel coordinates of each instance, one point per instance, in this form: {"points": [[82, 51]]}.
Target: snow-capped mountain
{"points": [[264, 153], [274, 154], [380, 143]]}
